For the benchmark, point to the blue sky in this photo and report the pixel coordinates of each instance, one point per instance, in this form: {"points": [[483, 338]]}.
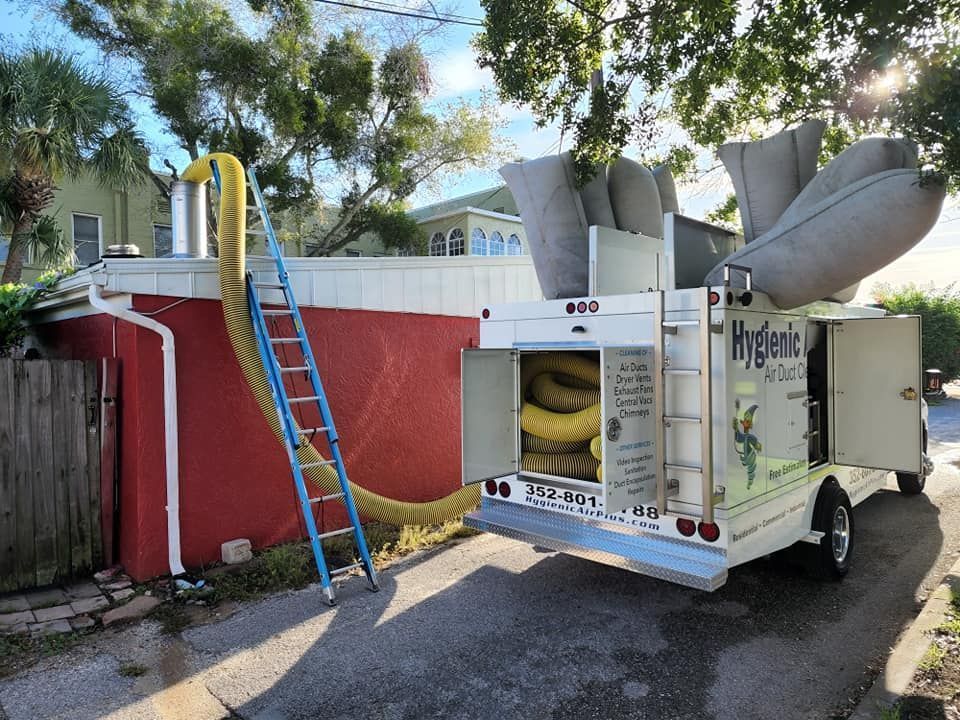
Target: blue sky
{"points": [[455, 75]]}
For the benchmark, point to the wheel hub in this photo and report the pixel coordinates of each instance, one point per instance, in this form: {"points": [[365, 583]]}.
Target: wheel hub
{"points": [[841, 534]]}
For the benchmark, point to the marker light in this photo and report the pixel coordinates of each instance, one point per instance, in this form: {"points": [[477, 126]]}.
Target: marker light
{"points": [[571, 308], [714, 297], [581, 306], [505, 491], [491, 486], [686, 527], [485, 313], [594, 306], [709, 531]]}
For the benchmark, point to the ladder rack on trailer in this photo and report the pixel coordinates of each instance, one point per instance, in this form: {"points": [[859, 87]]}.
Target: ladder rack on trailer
{"points": [[296, 439]]}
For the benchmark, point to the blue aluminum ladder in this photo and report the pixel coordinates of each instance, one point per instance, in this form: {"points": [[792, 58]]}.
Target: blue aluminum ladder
{"points": [[293, 435]]}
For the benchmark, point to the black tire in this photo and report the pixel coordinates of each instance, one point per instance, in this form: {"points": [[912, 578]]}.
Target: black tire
{"points": [[833, 516], [911, 484]]}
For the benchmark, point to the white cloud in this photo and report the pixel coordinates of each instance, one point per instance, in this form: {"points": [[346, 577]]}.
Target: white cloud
{"points": [[457, 74]]}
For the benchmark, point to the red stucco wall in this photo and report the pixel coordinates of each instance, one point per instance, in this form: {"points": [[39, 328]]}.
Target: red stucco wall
{"points": [[393, 385]]}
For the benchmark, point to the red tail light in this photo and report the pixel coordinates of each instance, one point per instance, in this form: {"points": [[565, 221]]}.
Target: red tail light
{"points": [[485, 313], [714, 297], [709, 531], [571, 308], [581, 306], [594, 306], [686, 527], [491, 486], [505, 488]]}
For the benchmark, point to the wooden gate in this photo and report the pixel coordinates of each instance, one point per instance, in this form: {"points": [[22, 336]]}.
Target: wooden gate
{"points": [[49, 471]]}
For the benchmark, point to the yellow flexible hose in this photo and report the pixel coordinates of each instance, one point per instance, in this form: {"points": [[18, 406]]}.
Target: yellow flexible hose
{"points": [[596, 446], [549, 393], [577, 366], [565, 427], [236, 314], [532, 443], [580, 466]]}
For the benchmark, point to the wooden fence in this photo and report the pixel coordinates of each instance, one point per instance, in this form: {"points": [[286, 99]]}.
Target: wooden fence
{"points": [[49, 471]]}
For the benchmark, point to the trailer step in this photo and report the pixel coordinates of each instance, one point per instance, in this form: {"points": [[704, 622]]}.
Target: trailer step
{"points": [[683, 562]]}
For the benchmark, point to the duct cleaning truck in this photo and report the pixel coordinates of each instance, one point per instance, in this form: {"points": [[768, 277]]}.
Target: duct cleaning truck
{"points": [[678, 430]]}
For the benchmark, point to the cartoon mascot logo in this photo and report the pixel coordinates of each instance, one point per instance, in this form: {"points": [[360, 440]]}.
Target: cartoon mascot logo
{"points": [[745, 442]]}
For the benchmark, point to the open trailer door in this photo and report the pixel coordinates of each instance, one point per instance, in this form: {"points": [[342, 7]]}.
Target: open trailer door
{"points": [[489, 413], [876, 365]]}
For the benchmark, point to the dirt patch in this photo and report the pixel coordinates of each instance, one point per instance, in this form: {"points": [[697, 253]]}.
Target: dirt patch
{"points": [[934, 693]]}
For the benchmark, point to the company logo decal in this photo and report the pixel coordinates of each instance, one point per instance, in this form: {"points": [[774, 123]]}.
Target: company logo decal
{"points": [[745, 442], [758, 346]]}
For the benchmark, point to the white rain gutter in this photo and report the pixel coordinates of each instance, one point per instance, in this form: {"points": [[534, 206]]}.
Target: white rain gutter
{"points": [[170, 430]]}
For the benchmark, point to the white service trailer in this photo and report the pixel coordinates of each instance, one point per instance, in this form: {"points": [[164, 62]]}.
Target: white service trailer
{"points": [[730, 428]]}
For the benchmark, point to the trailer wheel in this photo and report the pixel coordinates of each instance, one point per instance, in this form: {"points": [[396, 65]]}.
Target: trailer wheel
{"points": [[909, 483], [833, 516]]}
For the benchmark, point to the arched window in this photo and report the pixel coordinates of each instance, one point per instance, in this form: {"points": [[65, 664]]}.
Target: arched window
{"points": [[513, 245], [478, 242], [438, 244], [497, 246], [455, 242]]}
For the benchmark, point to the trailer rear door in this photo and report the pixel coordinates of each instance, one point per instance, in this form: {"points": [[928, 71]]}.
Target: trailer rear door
{"points": [[489, 414], [876, 365]]}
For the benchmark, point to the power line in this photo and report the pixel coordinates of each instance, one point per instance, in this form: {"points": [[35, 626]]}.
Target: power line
{"points": [[436, 15], [419, 16]]}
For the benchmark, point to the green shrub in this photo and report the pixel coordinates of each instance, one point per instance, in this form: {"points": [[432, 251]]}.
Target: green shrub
{"points": [[940, 311], [15, 300]]}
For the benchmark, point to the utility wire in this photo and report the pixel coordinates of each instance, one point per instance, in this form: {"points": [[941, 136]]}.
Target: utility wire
{"points": [[401, 13], [436, 14]]}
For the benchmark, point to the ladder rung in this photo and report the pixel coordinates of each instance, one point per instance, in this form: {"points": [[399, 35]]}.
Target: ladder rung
{"points": [[334, 533], [283, 341], [258, 233], [277, 286], [681, 371], [312, 431], [298, 400], [277, 312], [682, 418], [299, 368], [317, 464], [326, 498], [346, 568], [686, 468]]}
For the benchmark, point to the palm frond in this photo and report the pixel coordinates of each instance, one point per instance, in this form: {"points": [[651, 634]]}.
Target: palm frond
{"points": [[48, 245]]}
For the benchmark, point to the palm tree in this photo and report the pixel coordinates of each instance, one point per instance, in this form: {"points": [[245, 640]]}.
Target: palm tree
{"points": [[56, 119]]}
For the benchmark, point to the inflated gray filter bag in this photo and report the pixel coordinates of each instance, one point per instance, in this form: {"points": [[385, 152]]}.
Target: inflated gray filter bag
{"points": [[553, 217], [841, 239]]}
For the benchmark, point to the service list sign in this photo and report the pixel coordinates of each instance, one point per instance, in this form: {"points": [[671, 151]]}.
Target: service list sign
{"points": [[629, 427]]}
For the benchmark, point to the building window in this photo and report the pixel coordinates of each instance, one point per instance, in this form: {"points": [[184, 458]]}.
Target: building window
{"points": [[497, 245], [86, 238], [455, 242], [438, 244], [404, 252], [353, 253], [478, 242], [162, 241], [513, 245]]}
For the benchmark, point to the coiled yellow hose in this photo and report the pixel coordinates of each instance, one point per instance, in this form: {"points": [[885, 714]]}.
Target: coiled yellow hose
{"points": [[549, 393], [565, 427], [532, 443], [576, 366], [596, 445], [581, 466], [236, 314]]}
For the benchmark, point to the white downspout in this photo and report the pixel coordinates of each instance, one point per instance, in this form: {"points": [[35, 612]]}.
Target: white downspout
{"points": [[170, 431]]}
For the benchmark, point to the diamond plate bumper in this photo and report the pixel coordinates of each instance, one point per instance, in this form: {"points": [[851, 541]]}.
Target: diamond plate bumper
{"points": [[684, 563]]}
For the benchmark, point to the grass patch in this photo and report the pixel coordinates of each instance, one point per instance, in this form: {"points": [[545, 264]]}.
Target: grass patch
{"points": [[291, 566], [933, 658], [890, 713], [133, 670], [19, 651], [171, 616]]}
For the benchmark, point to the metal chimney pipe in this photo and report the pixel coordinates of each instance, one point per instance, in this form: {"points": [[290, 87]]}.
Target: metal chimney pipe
{"points": [[188, 205]]}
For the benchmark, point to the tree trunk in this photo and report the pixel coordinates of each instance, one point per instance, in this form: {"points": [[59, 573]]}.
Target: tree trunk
{"points": [[13, 268]]}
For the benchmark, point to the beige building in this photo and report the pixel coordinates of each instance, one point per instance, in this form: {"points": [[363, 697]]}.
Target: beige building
{"points": [[482, 223]]}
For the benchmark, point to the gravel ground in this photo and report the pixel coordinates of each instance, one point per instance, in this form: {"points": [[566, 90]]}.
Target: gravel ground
{"points": [[491, 628]]}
